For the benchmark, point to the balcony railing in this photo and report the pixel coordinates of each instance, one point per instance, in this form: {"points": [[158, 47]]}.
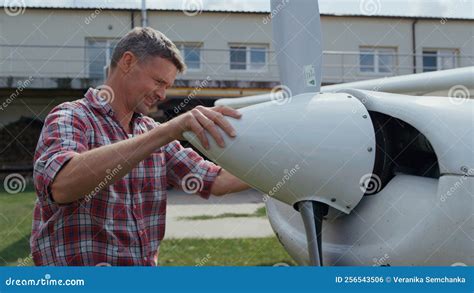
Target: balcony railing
{"points": [[73, 62]]}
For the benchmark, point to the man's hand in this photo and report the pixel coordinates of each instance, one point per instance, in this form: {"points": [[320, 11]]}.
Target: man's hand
{"points": [[200, 119]]}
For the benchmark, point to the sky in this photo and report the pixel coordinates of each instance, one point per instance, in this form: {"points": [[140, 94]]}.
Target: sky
{"points": [[423, 8], [434, 8]]}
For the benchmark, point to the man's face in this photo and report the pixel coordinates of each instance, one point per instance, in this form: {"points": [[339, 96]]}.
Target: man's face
{"points": [[147, 82]]}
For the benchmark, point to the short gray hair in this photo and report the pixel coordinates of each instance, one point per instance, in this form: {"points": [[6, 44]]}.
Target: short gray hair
{"points": [[147, 42]]}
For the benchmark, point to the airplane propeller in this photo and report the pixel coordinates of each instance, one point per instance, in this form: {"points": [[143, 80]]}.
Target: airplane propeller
{"points": [[298, 46], [333, 130], [297, 43]]}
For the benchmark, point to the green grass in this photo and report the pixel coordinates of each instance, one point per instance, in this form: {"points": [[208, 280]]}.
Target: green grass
{"points": [[261, 212], [223, 252], [16, 211]]}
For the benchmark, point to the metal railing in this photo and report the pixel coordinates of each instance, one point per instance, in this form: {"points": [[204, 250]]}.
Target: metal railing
{"points": [[74, 62]]}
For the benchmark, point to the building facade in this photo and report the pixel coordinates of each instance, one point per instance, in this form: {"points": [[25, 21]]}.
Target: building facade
{"points": [[58, 53], [48, 56]]}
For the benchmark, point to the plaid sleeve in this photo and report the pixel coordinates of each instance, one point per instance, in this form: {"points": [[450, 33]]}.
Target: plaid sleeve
{"points": [[188, 171], [63, 135]]}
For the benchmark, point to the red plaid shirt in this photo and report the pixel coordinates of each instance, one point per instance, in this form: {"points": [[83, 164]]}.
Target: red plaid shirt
{"points": [[124, 223]]}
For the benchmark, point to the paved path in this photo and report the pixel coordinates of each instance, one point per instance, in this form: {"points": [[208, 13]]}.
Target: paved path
{"points": [[184, 205]]}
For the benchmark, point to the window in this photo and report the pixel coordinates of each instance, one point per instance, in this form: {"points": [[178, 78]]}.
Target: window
{"points": [[99, 52], [439, 59], [191, 54], [238, 58], [377, 60], [252, 57]]}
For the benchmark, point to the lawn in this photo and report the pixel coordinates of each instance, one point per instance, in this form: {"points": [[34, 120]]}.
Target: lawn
{"points": [[223, 252], [261, 212], [15, 228], [16, 212]]}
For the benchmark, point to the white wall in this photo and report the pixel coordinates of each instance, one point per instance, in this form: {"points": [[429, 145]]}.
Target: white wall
{"points": [[433, 34], [215, 31], [349, 33], [60, 28]]}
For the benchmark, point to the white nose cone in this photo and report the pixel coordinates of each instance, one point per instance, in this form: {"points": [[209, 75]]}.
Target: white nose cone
{"points": [[308, 147]]}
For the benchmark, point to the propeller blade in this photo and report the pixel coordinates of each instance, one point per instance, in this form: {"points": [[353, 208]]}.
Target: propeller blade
{"points": [[297, 43]]}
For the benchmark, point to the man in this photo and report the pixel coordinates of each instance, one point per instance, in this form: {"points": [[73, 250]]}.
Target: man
{"points": [[102, 166]]}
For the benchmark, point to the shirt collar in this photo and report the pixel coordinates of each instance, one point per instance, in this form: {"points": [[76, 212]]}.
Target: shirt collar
{"points": [[100, 103]]}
